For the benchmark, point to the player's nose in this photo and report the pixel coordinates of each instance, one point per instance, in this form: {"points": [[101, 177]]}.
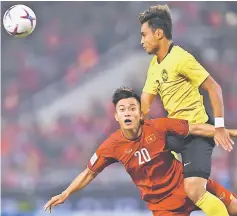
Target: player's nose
{"points": [[127, 114]]}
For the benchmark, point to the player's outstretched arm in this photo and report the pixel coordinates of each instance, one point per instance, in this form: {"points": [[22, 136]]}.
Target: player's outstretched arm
{"points": [[221, 136], [81, 181], [208, 130]]}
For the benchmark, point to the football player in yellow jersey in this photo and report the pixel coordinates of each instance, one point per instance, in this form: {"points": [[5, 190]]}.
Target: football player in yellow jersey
{"points": [[176, 76]]}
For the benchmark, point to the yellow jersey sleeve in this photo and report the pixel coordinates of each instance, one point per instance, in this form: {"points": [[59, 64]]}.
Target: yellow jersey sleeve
{"points": [[150, 85], [193, 70]]}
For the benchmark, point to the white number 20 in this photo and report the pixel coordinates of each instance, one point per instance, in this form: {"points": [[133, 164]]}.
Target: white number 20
{"points": [[143, 156]]}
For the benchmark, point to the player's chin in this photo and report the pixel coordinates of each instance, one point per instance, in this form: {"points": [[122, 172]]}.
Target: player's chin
{"points": [[149, 52], [128, 126]]}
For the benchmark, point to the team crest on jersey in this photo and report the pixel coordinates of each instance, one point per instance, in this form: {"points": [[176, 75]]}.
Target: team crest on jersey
{"points": [[93, 159], [150, 138], [164, 75]]}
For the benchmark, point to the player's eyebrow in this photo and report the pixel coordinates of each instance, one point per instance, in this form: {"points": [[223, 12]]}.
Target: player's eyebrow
{"points": [[128, 105]]}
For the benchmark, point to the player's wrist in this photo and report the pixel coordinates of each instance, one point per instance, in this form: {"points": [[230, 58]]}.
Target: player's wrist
{"points": [[219, 122], [66, 193]]}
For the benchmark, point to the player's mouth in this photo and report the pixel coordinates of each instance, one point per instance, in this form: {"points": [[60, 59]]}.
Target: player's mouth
{"points": [[128, 121]]}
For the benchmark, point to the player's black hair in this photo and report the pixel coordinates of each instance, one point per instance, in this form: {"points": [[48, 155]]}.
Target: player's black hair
{"points": [[158, 17], [123, 93]]}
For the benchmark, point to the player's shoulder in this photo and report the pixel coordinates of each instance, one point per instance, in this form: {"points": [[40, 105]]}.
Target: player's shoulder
{"points": [[181, 52], [113, 138], [106, 148], [183, 55], [155, 123]]}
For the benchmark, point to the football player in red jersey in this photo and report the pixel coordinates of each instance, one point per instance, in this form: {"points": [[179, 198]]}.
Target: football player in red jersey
{"points": [[141, 147]]}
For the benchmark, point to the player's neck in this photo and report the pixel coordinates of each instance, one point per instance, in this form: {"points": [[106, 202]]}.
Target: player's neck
{"points": [[132, 134], [163, 50]]}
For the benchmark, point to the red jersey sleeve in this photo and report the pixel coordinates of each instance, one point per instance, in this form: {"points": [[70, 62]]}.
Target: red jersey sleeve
{"points": [[177, 126], [103, 157]]}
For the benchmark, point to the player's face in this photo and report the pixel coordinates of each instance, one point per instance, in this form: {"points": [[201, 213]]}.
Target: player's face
{"points": [[128, 113], [149, 39]]}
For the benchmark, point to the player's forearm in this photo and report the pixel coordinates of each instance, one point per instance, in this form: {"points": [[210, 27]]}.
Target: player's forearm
{"points": [[232, 132], [207, 130], [145, 111], [146, 101], [215, 94], [81, 181]]}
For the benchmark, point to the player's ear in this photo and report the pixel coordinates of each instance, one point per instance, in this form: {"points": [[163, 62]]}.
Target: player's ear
{"points": [[142, 116], [159, 33], [116, 116]]}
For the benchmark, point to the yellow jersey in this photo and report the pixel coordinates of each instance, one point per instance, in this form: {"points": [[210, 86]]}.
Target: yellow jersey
{"points": [[177, 79]]}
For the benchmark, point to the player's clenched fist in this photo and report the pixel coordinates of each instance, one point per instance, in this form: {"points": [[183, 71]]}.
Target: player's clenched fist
{"points": [[54, 201]]}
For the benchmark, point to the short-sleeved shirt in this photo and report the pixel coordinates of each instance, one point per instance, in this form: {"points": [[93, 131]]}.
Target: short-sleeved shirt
{"points": [[152, 166], [177, 79]]}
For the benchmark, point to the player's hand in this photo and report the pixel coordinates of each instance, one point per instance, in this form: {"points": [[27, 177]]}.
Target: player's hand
{"points": [[222, 138], [54, 201]]}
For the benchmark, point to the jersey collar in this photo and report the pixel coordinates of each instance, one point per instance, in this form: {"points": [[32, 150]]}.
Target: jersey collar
{"points": [[169, 50]]}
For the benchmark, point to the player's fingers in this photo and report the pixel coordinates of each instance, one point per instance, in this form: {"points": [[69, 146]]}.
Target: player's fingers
{"points": [[47, 209], [219, 142], [228, 144], [57, 202], [216, 142], [231, 141], [49, 203], [225, 144]]}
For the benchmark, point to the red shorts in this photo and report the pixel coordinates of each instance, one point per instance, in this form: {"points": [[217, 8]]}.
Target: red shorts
{"points": [[165, 213], [178, 204]]}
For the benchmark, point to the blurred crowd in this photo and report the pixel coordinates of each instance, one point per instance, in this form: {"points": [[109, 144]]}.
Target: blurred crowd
{"points": [[67, 44]]}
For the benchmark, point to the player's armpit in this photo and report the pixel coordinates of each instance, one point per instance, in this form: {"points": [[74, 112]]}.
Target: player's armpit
{"points": [[146, 100]]}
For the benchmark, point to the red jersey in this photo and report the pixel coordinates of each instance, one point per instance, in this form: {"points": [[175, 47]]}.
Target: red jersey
{"points": [[150, 164]]}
